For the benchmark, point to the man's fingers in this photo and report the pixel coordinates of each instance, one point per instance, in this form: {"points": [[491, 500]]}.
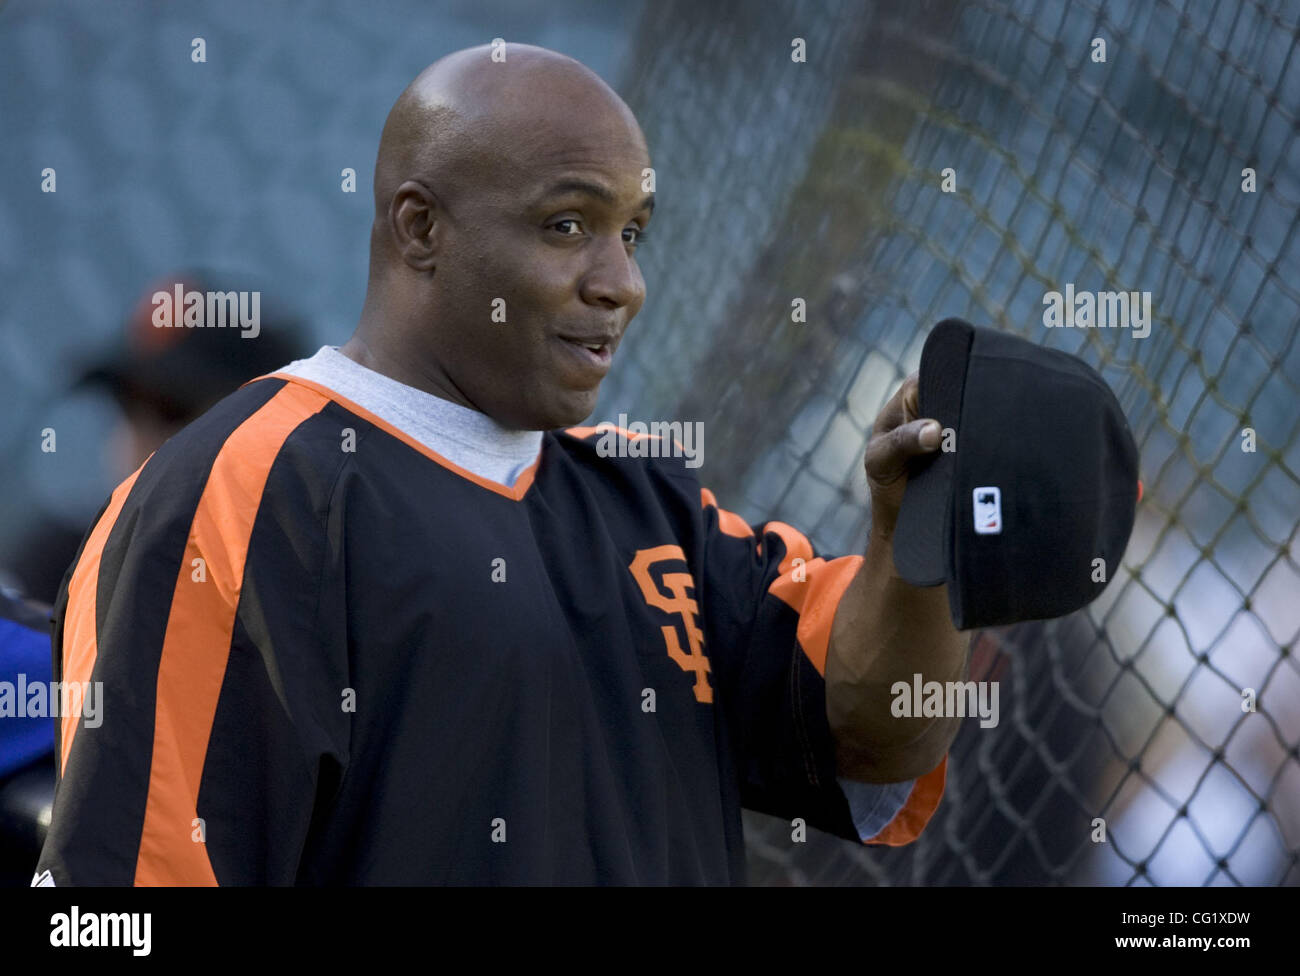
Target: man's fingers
{"points": [[901, 408], [887, 455], [928, 436], [912, 396]]}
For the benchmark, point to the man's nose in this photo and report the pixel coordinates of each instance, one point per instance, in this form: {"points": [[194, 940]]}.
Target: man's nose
{"points": [[613, 279]]}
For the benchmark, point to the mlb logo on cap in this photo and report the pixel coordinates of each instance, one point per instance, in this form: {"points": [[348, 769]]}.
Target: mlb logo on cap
{"points": [[1042, 484], [988, 510]]}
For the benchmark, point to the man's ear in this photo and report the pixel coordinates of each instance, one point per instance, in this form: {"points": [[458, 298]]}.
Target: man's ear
{"points": [[415, 219]]}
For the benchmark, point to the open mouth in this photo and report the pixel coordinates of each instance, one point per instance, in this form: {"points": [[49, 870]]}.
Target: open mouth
{"points": [[596, 354]]}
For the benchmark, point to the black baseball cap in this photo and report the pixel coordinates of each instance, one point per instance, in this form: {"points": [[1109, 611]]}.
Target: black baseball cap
{"points": [[1041, 483]]}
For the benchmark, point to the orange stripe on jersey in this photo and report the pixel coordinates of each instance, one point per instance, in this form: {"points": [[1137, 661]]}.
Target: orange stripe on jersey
{"points": [[917, 811], [729, 522], [815, 596], [815, 599], [196, 646], [515, 492], [80, 637]]}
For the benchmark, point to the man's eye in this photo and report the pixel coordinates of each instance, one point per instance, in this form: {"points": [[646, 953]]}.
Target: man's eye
{"points": [[560, 224], [639, 236]]}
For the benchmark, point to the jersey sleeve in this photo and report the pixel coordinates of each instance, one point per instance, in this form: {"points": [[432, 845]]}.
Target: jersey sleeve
{"points": [[198, 632], [771, 600]]}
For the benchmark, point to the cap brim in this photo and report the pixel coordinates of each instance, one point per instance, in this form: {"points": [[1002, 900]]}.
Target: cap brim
{"points": [[922, 551]]}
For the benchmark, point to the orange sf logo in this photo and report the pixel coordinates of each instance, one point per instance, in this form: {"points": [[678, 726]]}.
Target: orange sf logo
{"points": [[675, 600]]}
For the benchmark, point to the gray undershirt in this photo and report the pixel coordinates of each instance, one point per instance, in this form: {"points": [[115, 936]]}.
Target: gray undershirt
{"points": [[465, 437]]}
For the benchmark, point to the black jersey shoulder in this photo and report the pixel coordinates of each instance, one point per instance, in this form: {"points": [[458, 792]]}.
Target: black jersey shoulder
{"points": [[265, 424]]}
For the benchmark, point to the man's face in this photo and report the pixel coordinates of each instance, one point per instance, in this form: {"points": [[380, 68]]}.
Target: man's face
{"points": [[537, 271]]}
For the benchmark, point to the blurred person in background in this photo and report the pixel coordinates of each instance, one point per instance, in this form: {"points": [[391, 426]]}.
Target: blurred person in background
{"points": [[163, 377]]}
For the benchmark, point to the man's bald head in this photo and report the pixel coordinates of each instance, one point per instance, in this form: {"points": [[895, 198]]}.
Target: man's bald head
{"points": [[510, 198], [467, 121]]}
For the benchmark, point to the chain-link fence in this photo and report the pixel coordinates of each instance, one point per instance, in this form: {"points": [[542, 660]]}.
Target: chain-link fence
{"points": [[1170, 708]]}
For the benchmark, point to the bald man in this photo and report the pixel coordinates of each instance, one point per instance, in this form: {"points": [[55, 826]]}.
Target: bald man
{"points": [[385, 617]]}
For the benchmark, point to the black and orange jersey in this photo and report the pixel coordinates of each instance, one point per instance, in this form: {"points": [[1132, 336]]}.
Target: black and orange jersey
{"points": [[330, 656]]}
